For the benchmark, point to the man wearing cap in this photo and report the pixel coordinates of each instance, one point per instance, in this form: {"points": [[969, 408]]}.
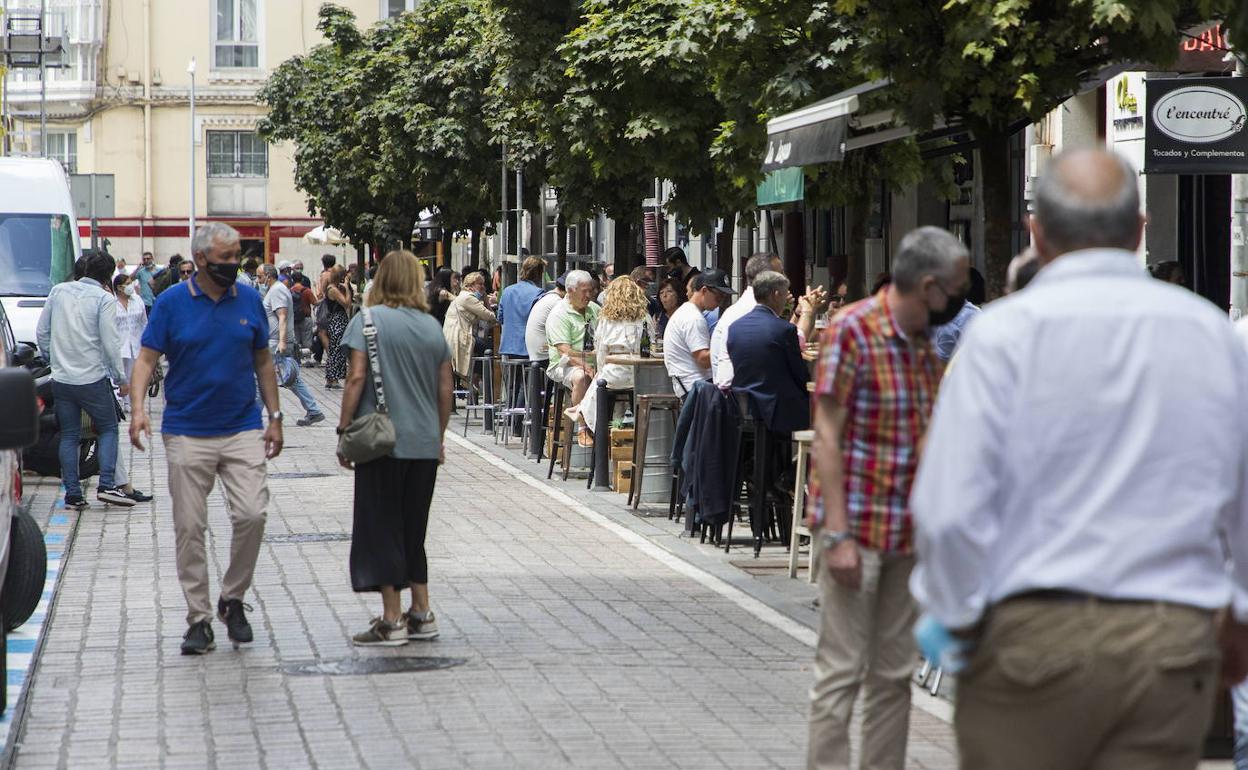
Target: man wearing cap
{"points": [[687, 340], [283, 271]]}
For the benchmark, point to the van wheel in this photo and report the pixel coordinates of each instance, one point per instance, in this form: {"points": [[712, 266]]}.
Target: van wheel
{"points": [[28, 570]]}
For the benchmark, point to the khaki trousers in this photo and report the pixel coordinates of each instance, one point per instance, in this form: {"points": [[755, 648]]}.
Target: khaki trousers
{"points": [[1068, 684], [865, 642], [194, 464]]}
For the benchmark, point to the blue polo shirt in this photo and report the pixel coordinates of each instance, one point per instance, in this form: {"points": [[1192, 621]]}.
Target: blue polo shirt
{"points": [[211, 386]]}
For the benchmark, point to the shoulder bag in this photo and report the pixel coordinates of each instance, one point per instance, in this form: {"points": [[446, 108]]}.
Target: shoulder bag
{"points": [[371, 436]]}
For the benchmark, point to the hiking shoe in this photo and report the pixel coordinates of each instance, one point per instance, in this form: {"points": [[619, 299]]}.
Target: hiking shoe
{"points": [[77, 502], [422, 630], [114, 496], [382, 634], [236, 626], [311, 419], [138, 496], [198, 639]]}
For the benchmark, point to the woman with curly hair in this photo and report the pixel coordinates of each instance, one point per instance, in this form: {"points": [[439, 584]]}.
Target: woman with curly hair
{"points": [[619, 330]]}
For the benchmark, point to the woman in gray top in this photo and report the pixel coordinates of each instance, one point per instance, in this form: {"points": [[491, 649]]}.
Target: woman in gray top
{"points": [[393, 493]]}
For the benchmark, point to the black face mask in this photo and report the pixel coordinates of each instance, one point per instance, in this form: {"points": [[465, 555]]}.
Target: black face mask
{"points": [[952, 308], [224, 274]]}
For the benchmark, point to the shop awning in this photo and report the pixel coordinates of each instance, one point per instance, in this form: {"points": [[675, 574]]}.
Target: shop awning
{"points": [[815, 133]]}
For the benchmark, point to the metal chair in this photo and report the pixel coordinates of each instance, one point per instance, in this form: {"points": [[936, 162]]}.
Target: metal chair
{"points": [[515, 396], [803, 439]]}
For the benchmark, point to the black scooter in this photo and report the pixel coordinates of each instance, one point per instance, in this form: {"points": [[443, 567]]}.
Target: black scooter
{"points": [[43, 458]]}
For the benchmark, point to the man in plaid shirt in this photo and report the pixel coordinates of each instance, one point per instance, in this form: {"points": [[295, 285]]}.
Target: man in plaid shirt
{"points": [[877, 380]]}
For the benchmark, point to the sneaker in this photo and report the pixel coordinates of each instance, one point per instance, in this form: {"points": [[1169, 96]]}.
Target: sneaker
{"points": [[77, 502], [382, 634], [114, 496], [138, 496], [231, 612], [422, 630], [311, 419], [198, 639]]}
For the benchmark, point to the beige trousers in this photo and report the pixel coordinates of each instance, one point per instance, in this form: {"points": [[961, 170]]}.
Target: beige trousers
{"points": [[865, 642], [1075, 685], [194, 464]]}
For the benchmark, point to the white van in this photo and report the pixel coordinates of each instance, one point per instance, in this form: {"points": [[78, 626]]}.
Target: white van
{"points": [[38, 238]]}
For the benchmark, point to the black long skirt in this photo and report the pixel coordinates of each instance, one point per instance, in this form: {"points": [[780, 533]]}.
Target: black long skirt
{"points": [[392, 498]]}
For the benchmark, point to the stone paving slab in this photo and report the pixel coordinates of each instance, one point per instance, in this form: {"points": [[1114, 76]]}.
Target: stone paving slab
{"points": [[582, 648]]}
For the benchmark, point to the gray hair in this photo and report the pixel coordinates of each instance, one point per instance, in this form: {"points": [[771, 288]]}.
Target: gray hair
{"points": [[576, 279], [269, 270], [207, 235], [1072, 216], [926, 251], [757, 265], [768, 284]]}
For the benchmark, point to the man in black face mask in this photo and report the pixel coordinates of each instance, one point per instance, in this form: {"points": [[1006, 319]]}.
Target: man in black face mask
{"points": [[216, 337], [876, 382]]}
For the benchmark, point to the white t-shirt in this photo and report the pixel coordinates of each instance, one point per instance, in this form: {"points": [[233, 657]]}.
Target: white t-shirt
{"points": [[686, 334], [721, 364], [535, 326]]}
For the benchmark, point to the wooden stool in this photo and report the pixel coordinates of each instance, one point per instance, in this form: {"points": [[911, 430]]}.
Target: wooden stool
{"points": [[803, 438], [559, 443], [645, 405]]}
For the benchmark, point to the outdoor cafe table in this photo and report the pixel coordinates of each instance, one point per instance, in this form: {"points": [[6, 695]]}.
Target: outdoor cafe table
{"points": [[649, 378]]}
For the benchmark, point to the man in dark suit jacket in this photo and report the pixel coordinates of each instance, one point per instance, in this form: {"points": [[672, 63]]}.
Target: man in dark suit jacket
{"points": [[767, 358]]}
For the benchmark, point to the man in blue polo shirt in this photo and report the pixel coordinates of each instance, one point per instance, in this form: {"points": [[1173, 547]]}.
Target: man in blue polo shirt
{"points": [[216, 338]]}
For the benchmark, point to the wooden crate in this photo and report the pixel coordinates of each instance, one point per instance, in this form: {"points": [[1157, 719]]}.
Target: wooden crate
{"points": [[622, 478], [619, 453], [622, 436]]}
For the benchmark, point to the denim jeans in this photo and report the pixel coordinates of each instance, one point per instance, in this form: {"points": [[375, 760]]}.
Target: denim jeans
{"points": [[98, 402], [300, 390]]}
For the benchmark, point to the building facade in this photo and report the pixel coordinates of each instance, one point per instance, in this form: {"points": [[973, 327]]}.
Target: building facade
{"points": [[119, 117]]}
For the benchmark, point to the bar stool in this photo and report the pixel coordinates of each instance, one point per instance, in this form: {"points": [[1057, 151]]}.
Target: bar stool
{"points": [[538, 402], [481, 399], [515, 393], [803, 439], [647, 404], [559, 442]]}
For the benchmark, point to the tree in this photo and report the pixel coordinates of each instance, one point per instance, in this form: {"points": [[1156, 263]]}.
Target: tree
{"points": [[386, 122], [996, 64]]}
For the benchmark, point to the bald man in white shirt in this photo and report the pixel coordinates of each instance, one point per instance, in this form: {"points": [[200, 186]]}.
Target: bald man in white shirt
{"points": [[1083, 483]]}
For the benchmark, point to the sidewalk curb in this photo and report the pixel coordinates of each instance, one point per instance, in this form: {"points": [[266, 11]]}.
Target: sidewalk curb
{"points": [[728, 581], [17, 722]]}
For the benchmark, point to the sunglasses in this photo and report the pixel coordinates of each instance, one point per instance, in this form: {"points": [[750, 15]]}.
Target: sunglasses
{"points": [[186, 272], [836, 297]]}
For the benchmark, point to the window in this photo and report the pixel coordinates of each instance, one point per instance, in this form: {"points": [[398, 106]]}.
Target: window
{"points": [[236, 34], [63, 146], [392, 8], [237, 154]]}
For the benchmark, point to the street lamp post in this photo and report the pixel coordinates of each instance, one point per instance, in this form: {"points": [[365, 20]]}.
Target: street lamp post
{"points": [[190, 70]]}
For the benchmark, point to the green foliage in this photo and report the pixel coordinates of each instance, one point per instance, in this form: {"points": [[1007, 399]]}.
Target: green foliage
{"points": [[387, 122]]}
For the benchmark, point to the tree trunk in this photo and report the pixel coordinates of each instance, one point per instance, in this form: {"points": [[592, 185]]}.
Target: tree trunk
{"points": [[446, 246], [994, 155], [561, 248], [624, 247], [474, 246], [856, 277], [795, 251]]}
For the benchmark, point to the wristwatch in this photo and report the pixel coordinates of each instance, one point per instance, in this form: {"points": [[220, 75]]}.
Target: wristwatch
{"points": [[275, 416], [833, 539]]}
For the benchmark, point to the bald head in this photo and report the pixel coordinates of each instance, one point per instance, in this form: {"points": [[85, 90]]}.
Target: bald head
{"points": [[1087, 199]]}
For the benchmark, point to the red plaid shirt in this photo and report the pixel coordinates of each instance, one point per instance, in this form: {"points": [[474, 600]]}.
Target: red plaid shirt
{"points": [[887, 384]]}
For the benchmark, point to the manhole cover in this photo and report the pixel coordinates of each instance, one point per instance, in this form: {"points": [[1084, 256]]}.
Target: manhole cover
{"points": [[309, 537], [365, 666], [299, 475]]}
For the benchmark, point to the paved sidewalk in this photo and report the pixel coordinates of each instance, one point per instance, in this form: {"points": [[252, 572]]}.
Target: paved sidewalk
{"points": [[584, 645]]}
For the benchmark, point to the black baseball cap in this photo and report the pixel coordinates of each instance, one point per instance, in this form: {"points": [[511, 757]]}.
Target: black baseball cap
{"points": [[562, 281], [713, 279]]}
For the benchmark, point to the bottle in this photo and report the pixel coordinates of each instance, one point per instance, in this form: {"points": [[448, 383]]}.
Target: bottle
{"points": [[645, 339]]}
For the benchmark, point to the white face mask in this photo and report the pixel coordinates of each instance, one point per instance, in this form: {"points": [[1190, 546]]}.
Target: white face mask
{"points": [[129, 290]]}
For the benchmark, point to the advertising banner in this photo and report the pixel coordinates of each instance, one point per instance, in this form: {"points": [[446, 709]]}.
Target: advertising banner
{"points": [[1196, 126]]}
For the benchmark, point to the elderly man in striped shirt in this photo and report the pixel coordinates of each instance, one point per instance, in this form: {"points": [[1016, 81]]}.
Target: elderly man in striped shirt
{"points": [[876, 384]]}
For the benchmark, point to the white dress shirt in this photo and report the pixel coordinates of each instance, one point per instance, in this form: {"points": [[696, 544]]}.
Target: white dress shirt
{"points": [[1091, 436], [721, 364], [77, 331], [131, 321]]}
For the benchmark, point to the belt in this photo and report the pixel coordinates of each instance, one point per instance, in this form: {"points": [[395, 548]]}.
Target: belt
{"points": [[1063, 595]]}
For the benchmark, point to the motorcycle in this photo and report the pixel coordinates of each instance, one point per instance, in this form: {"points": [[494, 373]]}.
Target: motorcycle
{"points": [[43, 458]]}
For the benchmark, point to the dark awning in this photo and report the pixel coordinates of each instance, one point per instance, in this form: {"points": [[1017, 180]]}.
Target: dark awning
{"points": [[815, 133]]}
